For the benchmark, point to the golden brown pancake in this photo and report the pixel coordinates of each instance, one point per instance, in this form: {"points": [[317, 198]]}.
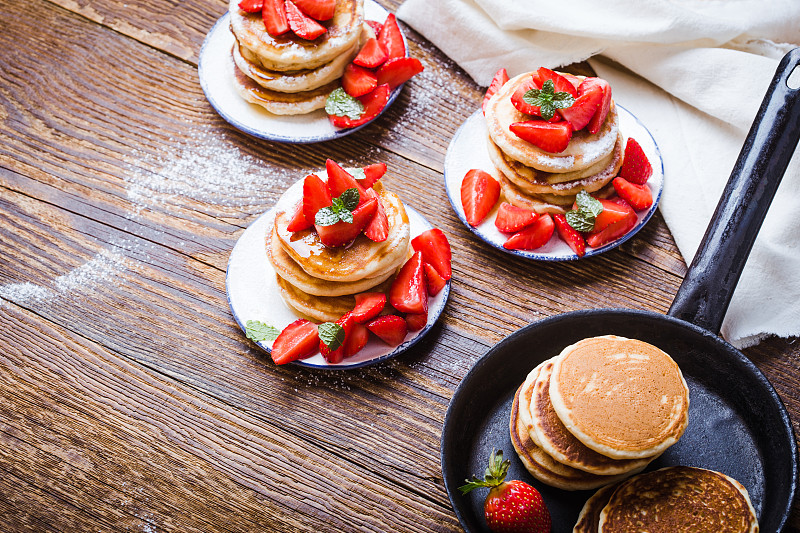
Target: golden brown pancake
{"points": [[679, 499], [589, 517], [542, 203], [553, 437], [623, 398]]}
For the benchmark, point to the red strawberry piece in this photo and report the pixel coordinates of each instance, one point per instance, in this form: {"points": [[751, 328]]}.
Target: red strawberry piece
{"points": [[358, 81], [479, 193], [317, 9], [251, 6], [416, 322], [599, 118], [522, 106], [511, 218], [433, 281], [302, 25], [612, 232], [337, 355], [371, 55], [560, 83], [372, 173], [373, 102], [580, 113], [298, 340], [435, 250], [500, 79], [613, 212], [315, 197], [342, 232], [636, 167], [298, 222], [534, 236], [570, 235], [398, 70], [550, 137], [273, 13], [638, 196], [356, 339], [408, 293], [376, 26], [391, 329], [377, 229], [339, 180], [510, 506], [574, 80], [390, 38], [368, 306]]}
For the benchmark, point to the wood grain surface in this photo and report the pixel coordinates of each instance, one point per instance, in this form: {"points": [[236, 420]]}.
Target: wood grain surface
{"points": [[129, 398]]}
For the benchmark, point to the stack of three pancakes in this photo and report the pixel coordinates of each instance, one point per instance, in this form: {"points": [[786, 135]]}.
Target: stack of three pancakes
{"points": [[545, 182], [599, 412], [288, 75]]}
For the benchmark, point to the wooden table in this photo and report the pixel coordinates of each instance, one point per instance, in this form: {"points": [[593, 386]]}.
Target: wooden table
{"points": [[129, 398]]}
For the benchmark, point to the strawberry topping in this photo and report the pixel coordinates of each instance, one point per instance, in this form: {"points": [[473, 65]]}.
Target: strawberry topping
{"points": [[479, 193]]}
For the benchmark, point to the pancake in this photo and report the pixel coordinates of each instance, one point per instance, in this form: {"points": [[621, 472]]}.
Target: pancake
{"points": [[584, 149], [545, 468], [542, 203], [553, 437], [525, 394], [679, 499], [362, 259], [623, 398], [287, 269], [589, 518], [290, 52]]}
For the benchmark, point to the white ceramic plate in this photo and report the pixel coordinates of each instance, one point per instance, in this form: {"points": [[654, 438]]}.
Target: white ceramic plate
{"points": [[468, 150], [253, 293], [215, 70]]}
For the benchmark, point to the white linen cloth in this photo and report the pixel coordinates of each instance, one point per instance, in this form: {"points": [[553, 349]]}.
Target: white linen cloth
{"points": [[694, 72]]}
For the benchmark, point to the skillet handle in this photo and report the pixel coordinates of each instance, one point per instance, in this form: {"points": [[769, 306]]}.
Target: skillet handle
{"points": [[706, 291]]}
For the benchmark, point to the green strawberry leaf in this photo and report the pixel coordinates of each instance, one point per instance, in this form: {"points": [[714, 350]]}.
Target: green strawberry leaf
{"points": [[332, 335], [258, 331], [587, 203], [341, 104], [580, 220]]}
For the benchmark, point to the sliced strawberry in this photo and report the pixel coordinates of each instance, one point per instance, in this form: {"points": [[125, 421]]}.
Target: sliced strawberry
{"points": [[317, 9], [368, 306], [500, 79], [342, 232], [518, 101], [580, 113], [339, 180], [336, 356], [408, 293], [612, 213], [433, 280], [612, 232], [570, 235], [302, 25], [391, 329], [574, 80], [636, 167], [251, 6], [396, 71], [416, 322], [298, 340], [356, 339], [273, 13], [372, 173], [435, 250], [560, 83], [373, 102], [638, 196], [479, 193], [376, 26], [377, 229], [390, 38], [298, 222], [315, 197], [534, 236], [371, 55], [358, 81], [550, 137], [599, 118], [511, 218]]}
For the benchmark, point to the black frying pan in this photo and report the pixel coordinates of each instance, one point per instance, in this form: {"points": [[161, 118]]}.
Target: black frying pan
{"points": [[738, 424]]}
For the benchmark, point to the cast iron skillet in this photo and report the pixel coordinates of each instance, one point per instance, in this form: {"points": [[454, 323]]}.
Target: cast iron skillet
{"points": [[738, 424]]}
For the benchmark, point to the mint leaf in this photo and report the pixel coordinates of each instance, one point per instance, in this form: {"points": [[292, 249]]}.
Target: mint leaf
{"points": [[350, 198], [332, 335], [326, 217], [258, 331], [341, 208], [357, 173], [580, 220], [547, 100], [588, 204], [341, 104]]}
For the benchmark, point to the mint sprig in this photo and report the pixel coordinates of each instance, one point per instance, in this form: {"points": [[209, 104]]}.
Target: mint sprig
{"points": [[341, 208], [548, 100], [357, 173], [332, 335], [258, 331], [341, 104], [583, 218]]}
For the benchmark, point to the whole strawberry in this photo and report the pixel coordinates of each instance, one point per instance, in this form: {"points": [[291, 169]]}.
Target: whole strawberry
{"points": [[511, 506]]}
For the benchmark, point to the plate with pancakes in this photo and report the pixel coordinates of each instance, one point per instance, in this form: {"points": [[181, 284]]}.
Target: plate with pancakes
{"points": [[276, 276], [542, 182], [275, 88]]}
